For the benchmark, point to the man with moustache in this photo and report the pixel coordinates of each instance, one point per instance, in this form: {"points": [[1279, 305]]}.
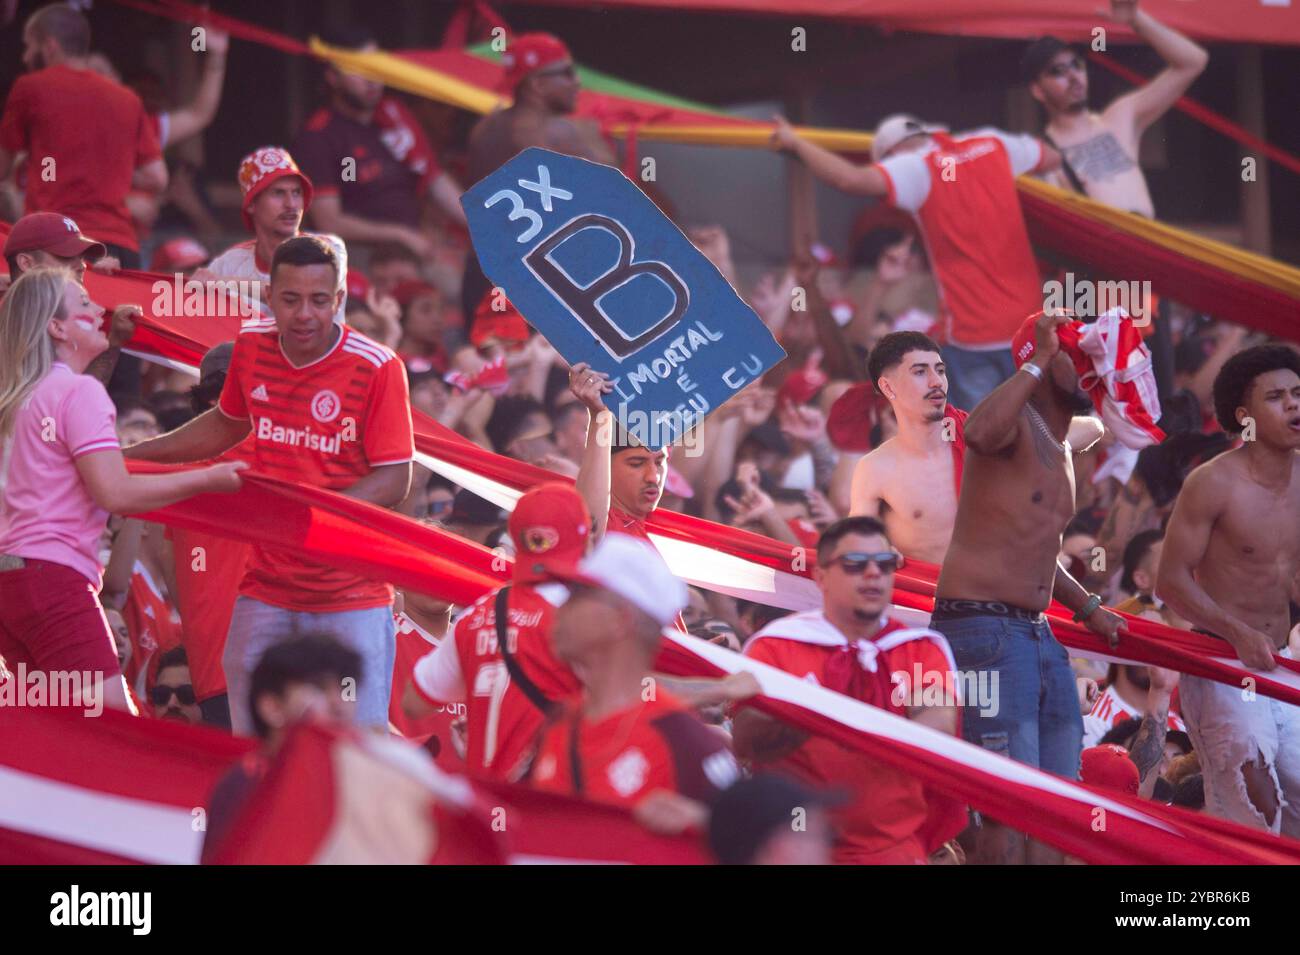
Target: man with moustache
{"points": [[275, 195], [1001, 570]]}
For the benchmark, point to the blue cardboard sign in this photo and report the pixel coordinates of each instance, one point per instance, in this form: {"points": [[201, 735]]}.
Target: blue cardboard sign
{"points": [[592, 264]]}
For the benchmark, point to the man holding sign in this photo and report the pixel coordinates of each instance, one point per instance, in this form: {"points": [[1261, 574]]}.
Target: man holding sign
{"points": [[590, 261]]}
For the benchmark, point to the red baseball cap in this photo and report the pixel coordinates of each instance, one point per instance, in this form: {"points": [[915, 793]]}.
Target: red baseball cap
{"points": [[1023, 343], [529, 52], [550, 527], [262, 167], [1110, 767], [52, 233], [176, 255], [508, 326], [852, 417]]}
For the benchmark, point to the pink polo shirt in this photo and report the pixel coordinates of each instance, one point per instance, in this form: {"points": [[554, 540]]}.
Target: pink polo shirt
{"points": [[46, 513]]}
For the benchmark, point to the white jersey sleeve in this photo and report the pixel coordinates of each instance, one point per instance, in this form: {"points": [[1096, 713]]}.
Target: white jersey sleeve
{"points": [[1024, 151], [437, 674], [909, 180]]}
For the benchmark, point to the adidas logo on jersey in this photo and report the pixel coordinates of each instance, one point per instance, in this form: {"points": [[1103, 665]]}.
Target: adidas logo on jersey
{"points": [[260, 393]]}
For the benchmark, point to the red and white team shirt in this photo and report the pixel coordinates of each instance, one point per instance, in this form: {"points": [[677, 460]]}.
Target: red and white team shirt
{"points": [[328, 423], [887, 808], [624, 757], [414, 643], [240, 263], [962, 193], [149, 623], [502, 722], [1110, 709]]}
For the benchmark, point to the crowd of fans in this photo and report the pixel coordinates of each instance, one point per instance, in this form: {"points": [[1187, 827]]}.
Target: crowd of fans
{"points": [[902, 427]]}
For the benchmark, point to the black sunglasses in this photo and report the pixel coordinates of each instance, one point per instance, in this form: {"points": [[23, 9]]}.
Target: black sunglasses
{"points": [[857, 563], [161, 695]]}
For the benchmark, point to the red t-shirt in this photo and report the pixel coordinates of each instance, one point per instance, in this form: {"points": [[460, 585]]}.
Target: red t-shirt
{"points": [[413, 644], [622, 758], [97, 134], [327, 424], [887, 807], [502, 722], [963, 196], [208, 570]]}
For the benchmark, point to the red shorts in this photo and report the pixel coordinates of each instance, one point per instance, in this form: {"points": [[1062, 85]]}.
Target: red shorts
{"points": [[51, 619]]}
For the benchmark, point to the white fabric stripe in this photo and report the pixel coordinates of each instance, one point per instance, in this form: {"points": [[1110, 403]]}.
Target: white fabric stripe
{"points": [[780, 685], [362, 353], [171, 363], [361, 344], [132, 828]]}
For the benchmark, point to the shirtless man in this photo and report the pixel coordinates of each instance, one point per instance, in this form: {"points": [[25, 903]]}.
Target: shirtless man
{"points": [[1231, 552], [1101, 149], [1000, 572], [541, 77], [909, 480]]}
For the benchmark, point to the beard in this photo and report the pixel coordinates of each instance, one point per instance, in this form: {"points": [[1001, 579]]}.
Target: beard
{"points": [[1075, 400]]}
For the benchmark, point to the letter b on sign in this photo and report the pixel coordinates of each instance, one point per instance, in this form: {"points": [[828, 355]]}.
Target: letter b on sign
{"points": [[585, 301]]}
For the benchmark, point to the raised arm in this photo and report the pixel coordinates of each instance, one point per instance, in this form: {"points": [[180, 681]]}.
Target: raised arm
{"points": [[993, 425], [588, 386], [827, 166], [1184, 58], [198, 114], [1199, 505]]}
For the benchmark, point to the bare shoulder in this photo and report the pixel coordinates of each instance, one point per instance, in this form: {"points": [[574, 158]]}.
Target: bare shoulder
{"points": [[1213, 481]]}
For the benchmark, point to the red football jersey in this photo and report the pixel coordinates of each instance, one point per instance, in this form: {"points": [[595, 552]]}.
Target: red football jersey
{"points": [[328, 423], [148, 618], [413, 644], [887, 807], [502, 722], [622, 758]]}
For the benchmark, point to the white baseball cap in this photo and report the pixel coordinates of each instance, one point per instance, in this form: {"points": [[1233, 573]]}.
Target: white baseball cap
{"points": [[633, 569], [894, 129]]}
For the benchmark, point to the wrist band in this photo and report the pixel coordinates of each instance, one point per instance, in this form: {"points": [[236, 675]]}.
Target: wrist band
{"points": [[1032, 369], [1088, 609]]}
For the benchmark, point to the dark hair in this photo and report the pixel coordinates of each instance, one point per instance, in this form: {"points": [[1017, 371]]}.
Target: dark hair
{"points": [[1038, 54], [15, 269], [1233, 382], [760, 614], [731, 488], [1134, 553], [1190, 792], [508, 418], [64, 24], [1122, 732], [842, 528], [304, 250], [1164, 467], [872, 245], [175, 657], [562, 412], [891, 349], [205, 394], [314, 658]]}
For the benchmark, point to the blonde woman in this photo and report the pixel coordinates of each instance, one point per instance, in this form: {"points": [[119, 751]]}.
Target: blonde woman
{"points": [[61, 473]]}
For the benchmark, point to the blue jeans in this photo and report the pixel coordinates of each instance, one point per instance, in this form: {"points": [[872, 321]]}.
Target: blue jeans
{"points": [[1036, 720], [973, 374], [256, 626]]}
